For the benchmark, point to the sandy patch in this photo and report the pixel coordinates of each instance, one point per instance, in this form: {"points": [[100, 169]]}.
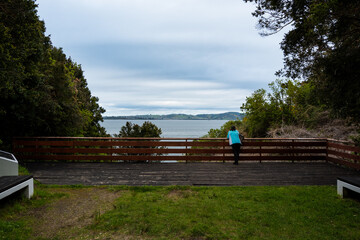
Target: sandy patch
{"points": [[66, 218], [179, 194]]}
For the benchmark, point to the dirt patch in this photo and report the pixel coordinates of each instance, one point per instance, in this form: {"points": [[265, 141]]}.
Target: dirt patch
{"points": [[67, 217], [179, 194]]}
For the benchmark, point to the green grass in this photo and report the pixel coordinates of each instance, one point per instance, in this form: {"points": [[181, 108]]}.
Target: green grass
{"points": [[234, 213], [292, 212], [23, 170], [16, 225]]}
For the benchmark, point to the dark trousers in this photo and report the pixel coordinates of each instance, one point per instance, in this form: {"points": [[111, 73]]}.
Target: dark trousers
{"points": [[236, 150]]}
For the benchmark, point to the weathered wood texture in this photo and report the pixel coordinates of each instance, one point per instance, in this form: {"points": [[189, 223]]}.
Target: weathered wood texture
{"points": [[183, 150], [166, 149], [343, 153], [202, 174]]}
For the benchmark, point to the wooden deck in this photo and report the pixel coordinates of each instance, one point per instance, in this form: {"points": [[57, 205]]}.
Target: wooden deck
{"points": [[198, 174]]}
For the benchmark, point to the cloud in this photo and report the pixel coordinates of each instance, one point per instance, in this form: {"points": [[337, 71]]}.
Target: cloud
{"points": [[157, 21], [144, 56], [168, 95]]}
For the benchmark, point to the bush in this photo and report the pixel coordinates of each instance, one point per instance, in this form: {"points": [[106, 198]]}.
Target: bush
{"points": [[148, 129]]}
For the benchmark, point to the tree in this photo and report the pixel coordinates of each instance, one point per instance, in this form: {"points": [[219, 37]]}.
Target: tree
{"points": [[42, 92], [322, 45], [258, 114], [223, 130], [289, 102], [148, 129], [23, 88]]}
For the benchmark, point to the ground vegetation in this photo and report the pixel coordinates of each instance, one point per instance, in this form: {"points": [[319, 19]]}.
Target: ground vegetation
{"points": [[181, 212]]}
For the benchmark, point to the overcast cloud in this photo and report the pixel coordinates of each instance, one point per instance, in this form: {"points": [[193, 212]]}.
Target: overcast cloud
{"points": [[164, 56]]}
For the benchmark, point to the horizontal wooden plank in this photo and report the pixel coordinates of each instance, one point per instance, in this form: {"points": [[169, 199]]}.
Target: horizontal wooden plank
{"points": [[111, 138], [344, 147], [152, 138], [110, 143], [291, 158], [149, 143], [163, 158], [43, 143], [164, 150], [344, 163], [122, 150], [344, 155], [124, 158], [289, 144], [287, 150]]}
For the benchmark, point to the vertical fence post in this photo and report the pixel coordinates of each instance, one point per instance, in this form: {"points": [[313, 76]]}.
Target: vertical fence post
{"points": [[73, 147], [111, 148], [36, 150], [260, 153], [224, 142], [327, 150], [186, 148], [292, 152]]}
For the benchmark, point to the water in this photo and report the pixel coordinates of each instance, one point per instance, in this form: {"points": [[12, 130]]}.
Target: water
{"points": [[170, 128]]}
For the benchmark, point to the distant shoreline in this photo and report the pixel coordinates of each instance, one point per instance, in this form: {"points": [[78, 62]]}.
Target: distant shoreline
{"points": [[221, 116], [111, 118]]}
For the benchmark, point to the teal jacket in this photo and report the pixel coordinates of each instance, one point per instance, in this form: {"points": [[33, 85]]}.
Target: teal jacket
{"points": [[233, 137]]}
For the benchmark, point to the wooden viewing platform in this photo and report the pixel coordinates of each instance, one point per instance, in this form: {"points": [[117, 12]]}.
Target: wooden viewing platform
{"points": [[195, 174], [145, 161]]}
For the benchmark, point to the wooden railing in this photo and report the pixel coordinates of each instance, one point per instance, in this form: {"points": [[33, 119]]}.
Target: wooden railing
{"points": [[343, 153], [184, 150], [166, 149]]}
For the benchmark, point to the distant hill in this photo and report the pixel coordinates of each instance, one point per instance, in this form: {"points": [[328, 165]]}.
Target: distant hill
{"points": [[220, 116]]}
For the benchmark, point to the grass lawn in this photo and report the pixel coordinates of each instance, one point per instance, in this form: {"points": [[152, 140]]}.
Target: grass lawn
{"points": [[120, 212]]}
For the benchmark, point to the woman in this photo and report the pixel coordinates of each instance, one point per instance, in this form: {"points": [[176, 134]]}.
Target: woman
{"points": [[234, 141]]}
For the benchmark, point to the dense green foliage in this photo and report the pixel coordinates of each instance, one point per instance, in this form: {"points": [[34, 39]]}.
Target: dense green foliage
{"points": [[175, 212], [288, 103], [42, 92], [148, 129], [322, 46], [223, 130]]}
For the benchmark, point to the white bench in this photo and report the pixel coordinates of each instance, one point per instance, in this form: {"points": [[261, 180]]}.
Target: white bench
{"points": [[346, 185], [10, 182]]}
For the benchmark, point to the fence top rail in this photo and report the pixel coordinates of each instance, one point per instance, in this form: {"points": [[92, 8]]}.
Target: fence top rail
{"points": [[152, 138], [113, 138], [340, 141]]}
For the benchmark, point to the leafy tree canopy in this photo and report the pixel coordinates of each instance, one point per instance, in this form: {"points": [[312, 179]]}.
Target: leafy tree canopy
{"points": [[42, 92], [322, 45], [223, 130], [288, 103], [147, 129]]}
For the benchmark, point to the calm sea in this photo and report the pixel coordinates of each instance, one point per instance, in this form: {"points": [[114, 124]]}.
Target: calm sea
{"points": [[170, 128]]}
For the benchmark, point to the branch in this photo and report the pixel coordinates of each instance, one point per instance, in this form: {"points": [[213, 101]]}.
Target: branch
{"points": [[263, 34]]}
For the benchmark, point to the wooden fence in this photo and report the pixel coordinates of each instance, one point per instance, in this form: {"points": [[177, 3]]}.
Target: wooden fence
{"points": [[343, 153], [183, 150], [179, 149]]}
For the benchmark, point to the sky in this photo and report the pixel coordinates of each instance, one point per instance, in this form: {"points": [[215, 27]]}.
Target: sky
{"points": [[161, 56]]}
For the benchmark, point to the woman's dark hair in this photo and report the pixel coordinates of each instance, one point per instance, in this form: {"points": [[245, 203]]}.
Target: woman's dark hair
{"points": [[233, 128]]}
